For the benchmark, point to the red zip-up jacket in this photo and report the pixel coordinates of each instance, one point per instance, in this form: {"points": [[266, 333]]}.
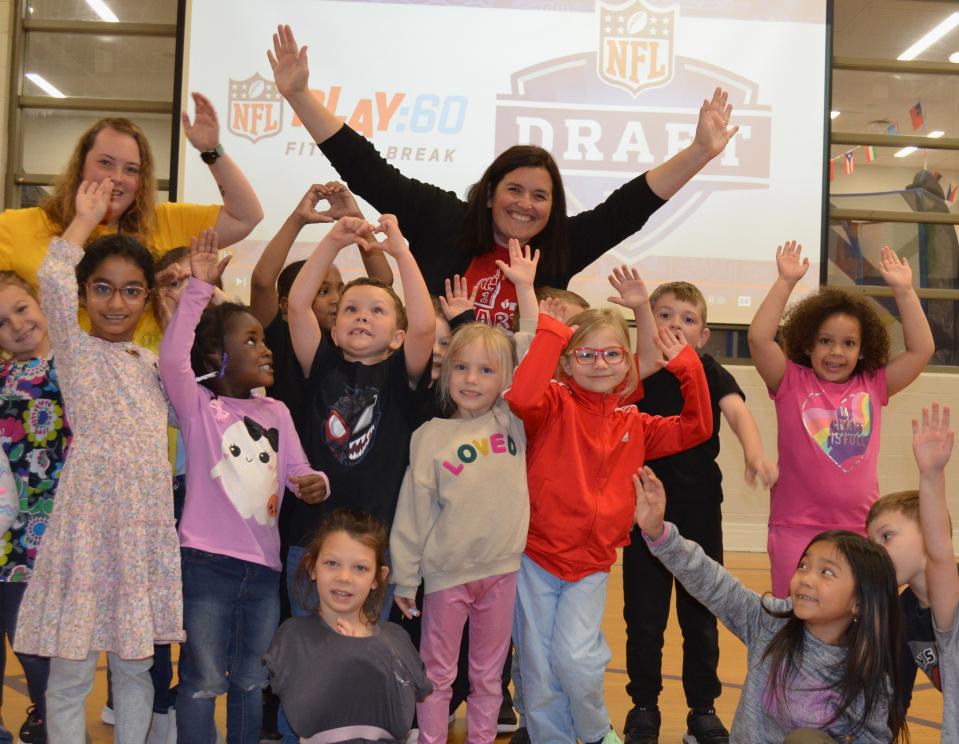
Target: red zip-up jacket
{"points": [[583, 448]]}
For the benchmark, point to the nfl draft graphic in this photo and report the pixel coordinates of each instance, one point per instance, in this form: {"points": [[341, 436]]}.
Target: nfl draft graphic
{"points": [[610, 89]]}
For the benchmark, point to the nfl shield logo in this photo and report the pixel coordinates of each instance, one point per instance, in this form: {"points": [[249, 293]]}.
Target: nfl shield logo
{"points": [[635, 45], [256, 108]]}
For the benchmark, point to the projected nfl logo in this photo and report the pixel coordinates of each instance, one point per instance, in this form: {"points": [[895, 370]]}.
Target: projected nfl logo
{"points": [[256, 108], [635, 45]]}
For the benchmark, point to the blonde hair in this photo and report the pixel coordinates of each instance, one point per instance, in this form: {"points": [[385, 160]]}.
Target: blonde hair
{"points": [[498, 347], [682, 291], [13, 279], [140, 218], [589, 321]]}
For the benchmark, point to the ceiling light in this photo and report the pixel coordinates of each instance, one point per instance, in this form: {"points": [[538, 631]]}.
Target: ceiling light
{"points": [[834, 114], [102, 10], [954, 57], [935, 135], [904, 152], [926, 41], [41, 82]]}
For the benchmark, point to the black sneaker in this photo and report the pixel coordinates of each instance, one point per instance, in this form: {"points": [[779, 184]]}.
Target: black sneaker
{"points": [[642, 726], [506, 723], [520, 736], [33, 730], [704, 727]]}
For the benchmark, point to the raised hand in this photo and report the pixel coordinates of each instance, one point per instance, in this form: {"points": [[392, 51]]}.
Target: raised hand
{"points": [[650, 502], [458, 298], [340, 199], [712, 129], [395, 244], [291, 69], [204, 257], [790, 263], [631, 287], [762, 471], [93, 200], [522, 264], [895, 271], [310, 488], [407, 607], [204, 132], [554, 308], [670, 345], [349, 230], [932, 440]]}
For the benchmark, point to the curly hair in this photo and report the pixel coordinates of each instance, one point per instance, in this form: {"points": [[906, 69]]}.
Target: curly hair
{"points": [[803, 320], [140, 217]]}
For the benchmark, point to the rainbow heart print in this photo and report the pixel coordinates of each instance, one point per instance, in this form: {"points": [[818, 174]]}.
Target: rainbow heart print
{"points": [[842, 432]]}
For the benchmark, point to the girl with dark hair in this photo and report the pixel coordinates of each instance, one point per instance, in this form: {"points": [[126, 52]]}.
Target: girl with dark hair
{"points": [[519, 196], [118, 149], [108, 577], [830, 380], [822, 664], [243, 451], [339, 672]]}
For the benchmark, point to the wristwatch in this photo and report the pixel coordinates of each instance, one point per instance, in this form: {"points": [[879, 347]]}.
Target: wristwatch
{"points": [[211, 156]]}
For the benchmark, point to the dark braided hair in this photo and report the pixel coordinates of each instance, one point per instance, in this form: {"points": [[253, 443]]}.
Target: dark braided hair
{"points": [[209, 341]]}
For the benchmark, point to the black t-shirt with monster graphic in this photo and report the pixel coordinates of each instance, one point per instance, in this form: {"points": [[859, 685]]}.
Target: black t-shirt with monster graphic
{"points": [[358, 422]]}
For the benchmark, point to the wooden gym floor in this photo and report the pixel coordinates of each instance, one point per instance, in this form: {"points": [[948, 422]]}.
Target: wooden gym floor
{"points": [[925, 713]]}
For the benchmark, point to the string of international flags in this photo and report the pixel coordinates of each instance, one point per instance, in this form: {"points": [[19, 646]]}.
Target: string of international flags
{"points": [[848, 158]]}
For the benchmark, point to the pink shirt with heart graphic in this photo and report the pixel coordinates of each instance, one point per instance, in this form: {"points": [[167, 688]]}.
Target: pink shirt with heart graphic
{"points": [[828, 449]]}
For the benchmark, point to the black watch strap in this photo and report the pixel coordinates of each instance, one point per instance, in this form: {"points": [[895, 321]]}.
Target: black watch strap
{"points": [[211, 156]]}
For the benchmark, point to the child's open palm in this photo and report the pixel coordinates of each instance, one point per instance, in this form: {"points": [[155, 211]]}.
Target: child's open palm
{"points": [[630, 285], [204, 257], [669, 344], [895, 271], [522, 264], [458, 298], [554, 308], [932, 439], [650, 502], [93, 200], [790, 263]]}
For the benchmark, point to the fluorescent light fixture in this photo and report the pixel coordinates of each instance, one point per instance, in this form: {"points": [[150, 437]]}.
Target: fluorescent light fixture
{"points": [[926, 41], [954, 57], [834, 114], [102, 10], [42, 83], [935, 135], [905, 152]]}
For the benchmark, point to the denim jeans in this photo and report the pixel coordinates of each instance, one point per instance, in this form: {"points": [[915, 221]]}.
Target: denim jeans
{"points": [[230, 610], [71, 681], [562, 654], [35, 668]]}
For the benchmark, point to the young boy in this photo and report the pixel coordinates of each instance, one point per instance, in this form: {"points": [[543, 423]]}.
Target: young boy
{"points": [[932, 445], [893, 522], [693, 480]]}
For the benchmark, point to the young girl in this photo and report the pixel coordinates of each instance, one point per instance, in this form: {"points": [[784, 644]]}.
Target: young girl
{"points": [[829, 382], [583, 446], [242, 450], [340, 674], [35, 439], [441, 533], [823, 665], [108, 577]]}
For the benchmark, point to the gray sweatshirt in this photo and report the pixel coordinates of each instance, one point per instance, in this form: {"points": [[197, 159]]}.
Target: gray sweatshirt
{"points": [[809, 700], [948, 641]]}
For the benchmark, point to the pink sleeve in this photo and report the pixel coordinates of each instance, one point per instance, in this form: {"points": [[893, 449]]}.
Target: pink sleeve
{"points": [[176, 372]]}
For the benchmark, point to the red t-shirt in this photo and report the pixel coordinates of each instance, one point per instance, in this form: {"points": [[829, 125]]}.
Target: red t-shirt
{"points": [[496, 298]]}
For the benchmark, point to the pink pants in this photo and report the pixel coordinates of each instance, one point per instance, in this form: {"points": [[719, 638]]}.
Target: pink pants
{"points": [[488, 603], [785, 546]]}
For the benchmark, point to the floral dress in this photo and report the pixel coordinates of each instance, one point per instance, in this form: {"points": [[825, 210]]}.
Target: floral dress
{"points": [[34, 435], [108, 576]]}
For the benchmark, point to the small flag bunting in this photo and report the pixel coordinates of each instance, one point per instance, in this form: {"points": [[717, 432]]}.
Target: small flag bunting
{"points": [[870, 153], [951, 193], [915, 113], [832, 171], [850, 162]]}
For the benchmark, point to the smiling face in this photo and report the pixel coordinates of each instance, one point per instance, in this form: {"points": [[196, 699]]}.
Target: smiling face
{"points": [[115, 318], [365, 328], [683, 317], [600, 377], [475, 381], [837, 348], [249, 361], [823, 592], [23, 326], [116, 156], [901, 536], [345, 574], [521, 204]]}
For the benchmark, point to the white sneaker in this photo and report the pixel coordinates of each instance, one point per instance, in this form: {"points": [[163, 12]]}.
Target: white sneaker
{"points": [[107, 716], [413, 736]]}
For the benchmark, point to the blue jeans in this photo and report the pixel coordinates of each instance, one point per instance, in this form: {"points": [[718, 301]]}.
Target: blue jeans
{"points": [[35, 668], [230, 611], [562, 654]]}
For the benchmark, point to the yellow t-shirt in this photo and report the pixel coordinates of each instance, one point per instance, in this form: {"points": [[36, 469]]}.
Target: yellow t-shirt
{"points": [[25, 235]]}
